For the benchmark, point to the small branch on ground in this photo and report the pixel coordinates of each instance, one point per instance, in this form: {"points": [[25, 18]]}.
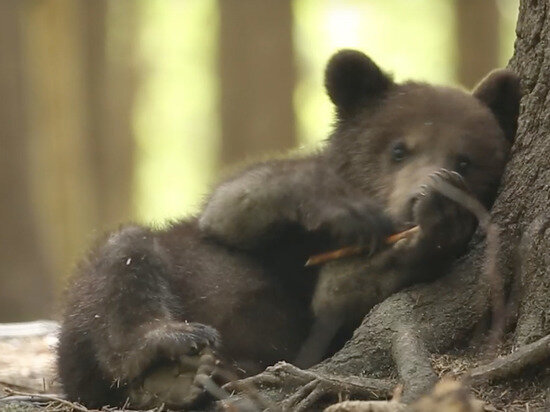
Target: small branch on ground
{"points": [[393, 405], [18, 396], [367, 406], [9, 385], [448, 395], [355, 250]]}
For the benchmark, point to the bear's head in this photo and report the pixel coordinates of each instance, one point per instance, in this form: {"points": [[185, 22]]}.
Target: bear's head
{"points": [[390, 137]]}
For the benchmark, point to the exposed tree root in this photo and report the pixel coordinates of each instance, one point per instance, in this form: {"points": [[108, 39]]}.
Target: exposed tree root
{"points": [[412, 361], [300, 390], [514, 363], [394, 338], [439, 313]]}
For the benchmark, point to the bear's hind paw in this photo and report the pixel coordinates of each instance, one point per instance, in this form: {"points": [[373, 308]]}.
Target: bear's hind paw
{"points": [[177, 384]]}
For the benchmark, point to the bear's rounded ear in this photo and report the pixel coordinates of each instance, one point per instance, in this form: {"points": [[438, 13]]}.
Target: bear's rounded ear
{"points": [[501, 92], [352, 79]]}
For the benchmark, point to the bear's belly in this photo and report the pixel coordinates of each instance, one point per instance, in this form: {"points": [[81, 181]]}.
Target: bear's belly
{"points": [[263, 317], [264, 327]]}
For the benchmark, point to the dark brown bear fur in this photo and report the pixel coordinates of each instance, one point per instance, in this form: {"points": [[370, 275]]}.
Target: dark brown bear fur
{"points": [[232, 282]]}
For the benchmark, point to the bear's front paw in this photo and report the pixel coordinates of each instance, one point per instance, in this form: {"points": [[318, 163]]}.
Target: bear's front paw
{"points": [[443, 222], [350, 223]]}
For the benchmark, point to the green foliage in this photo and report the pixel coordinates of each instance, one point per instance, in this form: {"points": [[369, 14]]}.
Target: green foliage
{"points": [[176, 120]]}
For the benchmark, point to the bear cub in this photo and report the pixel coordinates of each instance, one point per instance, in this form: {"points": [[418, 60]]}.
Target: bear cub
{"points": [[150, 313]]}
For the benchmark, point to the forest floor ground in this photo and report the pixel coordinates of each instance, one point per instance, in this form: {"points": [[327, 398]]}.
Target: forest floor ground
{"points": [[526, 393], [27, 365]]}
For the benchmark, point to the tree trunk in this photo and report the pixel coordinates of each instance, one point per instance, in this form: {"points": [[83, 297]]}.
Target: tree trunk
{"points": [[81, 79], [109, 37], [477, 37], [25, 281], [524, 204], [60, 166], [257, 78], [441, 315]]}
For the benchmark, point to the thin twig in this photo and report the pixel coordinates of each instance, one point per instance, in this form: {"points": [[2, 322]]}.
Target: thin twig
{"points": [[14, 395], [355, 250], [15, 386]]}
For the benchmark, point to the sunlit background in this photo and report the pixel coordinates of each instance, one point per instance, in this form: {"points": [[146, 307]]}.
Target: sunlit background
{"points": [[131, 110]]}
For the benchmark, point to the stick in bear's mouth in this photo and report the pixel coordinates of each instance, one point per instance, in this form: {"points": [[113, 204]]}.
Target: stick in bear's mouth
{"points": [[355, 250]]}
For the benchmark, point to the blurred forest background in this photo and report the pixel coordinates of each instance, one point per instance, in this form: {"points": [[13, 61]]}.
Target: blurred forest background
{"points": [[130, 110]]}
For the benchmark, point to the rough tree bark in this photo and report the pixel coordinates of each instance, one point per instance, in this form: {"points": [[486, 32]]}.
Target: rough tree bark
{"points": [[396, 335], [527, 184]]}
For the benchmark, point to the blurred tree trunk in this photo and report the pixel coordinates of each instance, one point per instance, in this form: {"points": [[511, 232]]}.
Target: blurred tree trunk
{"points": [[477, 36], [110, 31], [257, 78], [25, 281], [64, 192], [68, 73]]}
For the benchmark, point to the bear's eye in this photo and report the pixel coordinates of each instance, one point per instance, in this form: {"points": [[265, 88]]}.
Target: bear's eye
{"points": [[398, 151], [463, 164]]}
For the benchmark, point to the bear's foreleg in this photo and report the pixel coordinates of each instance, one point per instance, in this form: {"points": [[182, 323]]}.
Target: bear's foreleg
{"points": [[306, 193]]}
